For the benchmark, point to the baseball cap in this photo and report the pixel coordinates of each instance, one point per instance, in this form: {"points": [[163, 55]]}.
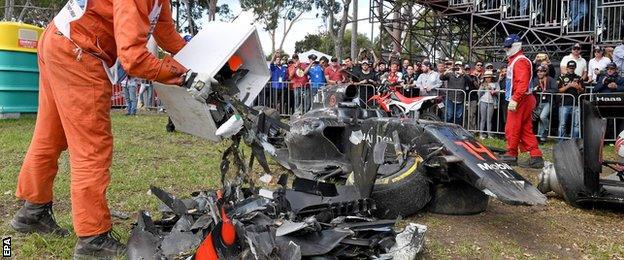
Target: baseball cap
{"points": [[571, 64], [312, 57], [488, 74], [611, 65], [458, 63], [576, 46], [598, 49], [427, 63]]}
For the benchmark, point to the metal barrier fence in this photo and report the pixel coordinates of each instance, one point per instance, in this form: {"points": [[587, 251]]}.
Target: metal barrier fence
{"points": [[489, 6], [147, 95], [547, 13], [516, 9], [460, 3], [547, 116], [579, 15], [610, 21]]}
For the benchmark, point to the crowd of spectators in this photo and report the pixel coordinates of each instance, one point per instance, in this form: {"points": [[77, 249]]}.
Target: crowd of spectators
{"points": [[472, 94]]}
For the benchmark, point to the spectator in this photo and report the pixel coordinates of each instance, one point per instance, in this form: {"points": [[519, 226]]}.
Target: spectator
{"points": [[543, 86], [543, 59], [569, 83], [146, 94], [473, 100], [317, 79], [478, 71], [458, 82], [440, 67], [366, 75], [348, 69], [609, 53], [394, 76], [279, 78], [417, 68], [502, 103], [597, 64], [130, 94], [324, 62], [581, 64], [409, 82], [488, 92], [610, 81], [333, 73], [406, 63], [618, 56], [524, 6], [380, 70], [298, 75], [428, 81], [578, 10]]}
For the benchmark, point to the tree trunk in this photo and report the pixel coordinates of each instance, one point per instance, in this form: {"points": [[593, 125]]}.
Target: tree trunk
{"points": [[287, 29], [212, 10], [354, 31], [396, 31], [8, 10]]}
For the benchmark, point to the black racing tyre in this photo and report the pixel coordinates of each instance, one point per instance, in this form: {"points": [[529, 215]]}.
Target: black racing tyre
{"points": [[457, 198], [403, 192], [568, 157], [430, 116]]}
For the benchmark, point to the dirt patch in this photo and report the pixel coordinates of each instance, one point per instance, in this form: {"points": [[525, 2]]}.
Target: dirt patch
{"points": [[555, 230]]}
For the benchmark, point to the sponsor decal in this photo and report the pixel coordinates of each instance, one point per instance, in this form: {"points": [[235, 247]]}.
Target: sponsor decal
{"points": [[494, 166], [609, 99], [477, 150]]}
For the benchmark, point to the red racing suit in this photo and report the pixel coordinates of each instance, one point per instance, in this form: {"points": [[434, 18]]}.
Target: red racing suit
{"points": [[519, 126]]}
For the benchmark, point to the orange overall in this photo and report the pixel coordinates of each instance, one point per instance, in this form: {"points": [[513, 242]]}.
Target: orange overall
{"points": [[75, 98]]}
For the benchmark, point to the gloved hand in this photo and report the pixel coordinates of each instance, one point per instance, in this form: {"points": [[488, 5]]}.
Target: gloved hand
{"points": [[513, 105], [198, 85]]}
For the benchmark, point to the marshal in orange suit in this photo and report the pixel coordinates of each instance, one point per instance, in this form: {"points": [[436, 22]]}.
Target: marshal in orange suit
{"points": [[80, 54]]}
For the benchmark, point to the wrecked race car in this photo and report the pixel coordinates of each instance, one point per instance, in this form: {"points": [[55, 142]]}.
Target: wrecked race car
{"points": [[577, 172], [353, 166], [412, 164]]}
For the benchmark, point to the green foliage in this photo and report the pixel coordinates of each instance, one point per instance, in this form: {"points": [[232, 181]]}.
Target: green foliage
{"points": [[322, 42]]}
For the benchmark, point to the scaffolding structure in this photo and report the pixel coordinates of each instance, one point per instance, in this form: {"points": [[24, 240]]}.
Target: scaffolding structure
{"points": [[27, 11], [475, 29]]}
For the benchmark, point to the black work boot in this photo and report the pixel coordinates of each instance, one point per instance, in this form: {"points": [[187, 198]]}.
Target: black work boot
{"points": [[37, 218], [508, 159], [536, 162], [102, 246]]}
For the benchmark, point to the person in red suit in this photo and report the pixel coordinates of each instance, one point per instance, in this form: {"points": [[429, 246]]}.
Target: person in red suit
{"points": [[519, 126]]}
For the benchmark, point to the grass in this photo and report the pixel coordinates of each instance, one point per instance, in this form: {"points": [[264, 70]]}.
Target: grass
{"points": [[146, 155]]}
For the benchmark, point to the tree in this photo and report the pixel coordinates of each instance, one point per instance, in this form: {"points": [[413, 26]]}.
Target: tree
{"points": [[189, 12], [275, 13], [336, 26], [36, 12], [324, 43]]}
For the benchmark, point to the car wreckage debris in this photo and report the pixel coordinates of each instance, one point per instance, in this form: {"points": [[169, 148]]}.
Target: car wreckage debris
{"points": [[218, 224]]}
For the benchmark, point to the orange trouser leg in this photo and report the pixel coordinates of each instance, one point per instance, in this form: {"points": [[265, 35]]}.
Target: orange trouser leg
{"points": [[36, 177], [82, 93]]}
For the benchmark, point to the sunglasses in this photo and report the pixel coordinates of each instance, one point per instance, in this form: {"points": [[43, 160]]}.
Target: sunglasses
{"points": [[576, 48], [479, 65]]}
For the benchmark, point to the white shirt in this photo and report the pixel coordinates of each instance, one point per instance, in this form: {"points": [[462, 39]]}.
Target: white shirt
{"points": [[581, 64], [427, 82], [596, 64]]}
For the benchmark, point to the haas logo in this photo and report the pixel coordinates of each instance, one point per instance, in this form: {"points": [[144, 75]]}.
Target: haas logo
{"points": [[609, 99]]}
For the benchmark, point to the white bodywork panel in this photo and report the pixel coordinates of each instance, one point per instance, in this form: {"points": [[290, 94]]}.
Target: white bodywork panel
{"points": [[207, 53]]}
